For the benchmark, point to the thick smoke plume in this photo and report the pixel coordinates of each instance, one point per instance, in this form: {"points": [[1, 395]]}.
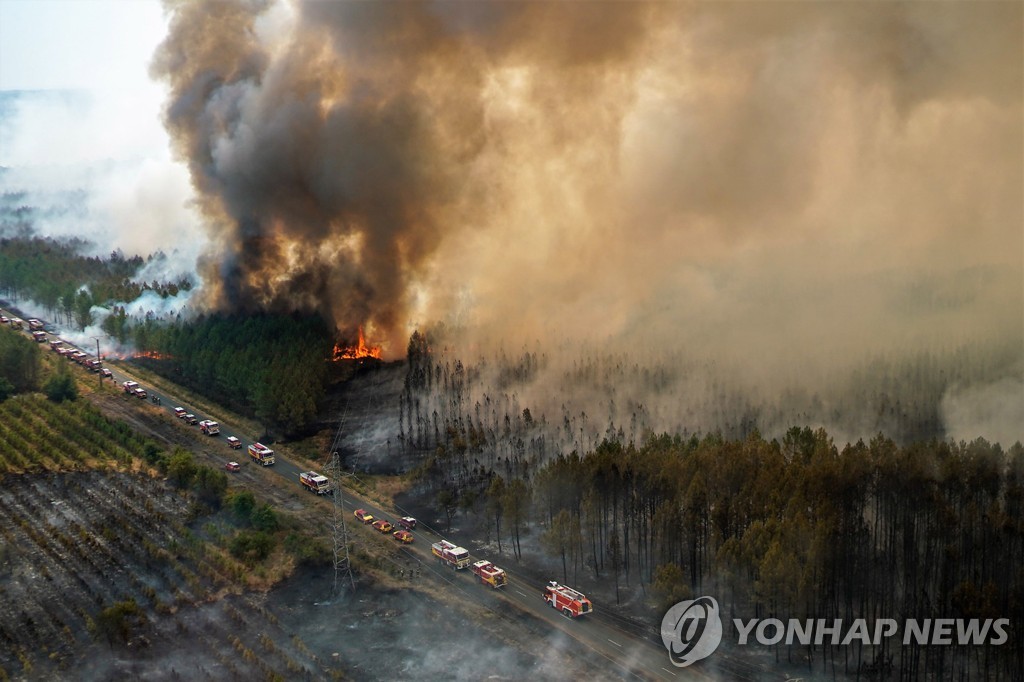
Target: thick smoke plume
{"points": [[804, 183]]}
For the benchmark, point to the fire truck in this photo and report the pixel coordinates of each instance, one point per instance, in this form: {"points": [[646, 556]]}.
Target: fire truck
{"points": [[456, 557], [572, 603], [39, 336], [315, 483], [209, 427], [262, 454], [35, 325], [132, 388], [490, 574]]}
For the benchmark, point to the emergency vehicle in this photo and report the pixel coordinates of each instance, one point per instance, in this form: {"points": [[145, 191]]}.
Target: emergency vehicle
{"points": [[570, 602]]}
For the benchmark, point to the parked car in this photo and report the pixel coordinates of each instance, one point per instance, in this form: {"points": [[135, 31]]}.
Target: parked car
{"points": [[382, 526], [233, 466], [363, 515], [403, 536], [234, 443]]}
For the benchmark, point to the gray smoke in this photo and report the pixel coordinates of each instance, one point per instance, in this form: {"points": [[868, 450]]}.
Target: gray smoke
{"points": [[786, 186]]}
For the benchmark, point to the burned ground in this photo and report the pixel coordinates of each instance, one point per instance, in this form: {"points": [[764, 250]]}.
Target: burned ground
{"points": [[75, 544]]}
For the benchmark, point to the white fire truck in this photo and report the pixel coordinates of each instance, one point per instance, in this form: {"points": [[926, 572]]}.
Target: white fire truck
{"points": [[315, 483], [456, 557], [572, 603], [490, 574], [209, 427]]}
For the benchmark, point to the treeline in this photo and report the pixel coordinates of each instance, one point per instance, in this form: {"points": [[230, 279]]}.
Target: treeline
{"points": [[271, 367], [576, 403], [790, 528], [20, 363], [21, 370], [67, 283]]}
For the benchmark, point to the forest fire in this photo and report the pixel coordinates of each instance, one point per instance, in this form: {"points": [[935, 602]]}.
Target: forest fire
{"points": [[357, 352], [150, 355]]}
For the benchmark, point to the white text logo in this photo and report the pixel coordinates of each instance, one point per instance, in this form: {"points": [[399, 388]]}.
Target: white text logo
{"points": [[691, 630]]}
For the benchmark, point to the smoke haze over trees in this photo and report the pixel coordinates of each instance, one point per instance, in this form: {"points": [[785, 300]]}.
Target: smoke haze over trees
{"points": [[785, 192], [749, 206]]}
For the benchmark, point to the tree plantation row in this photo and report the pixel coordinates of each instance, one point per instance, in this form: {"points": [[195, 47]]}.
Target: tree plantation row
{"points": [[93, 554]]}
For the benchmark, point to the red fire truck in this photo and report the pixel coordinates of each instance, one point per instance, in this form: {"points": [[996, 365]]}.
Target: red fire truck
{"points": [[572, 603], [490, 574]]}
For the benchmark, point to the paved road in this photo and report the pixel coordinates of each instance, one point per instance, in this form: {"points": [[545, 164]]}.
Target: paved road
{"points": [[607, 635]]}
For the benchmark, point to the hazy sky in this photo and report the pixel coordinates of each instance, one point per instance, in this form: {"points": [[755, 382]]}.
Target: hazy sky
{"points": [[109, 140], [80, 44]]}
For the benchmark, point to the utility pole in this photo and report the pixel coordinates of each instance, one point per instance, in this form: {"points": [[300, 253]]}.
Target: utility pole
{"points": [[99, 374]]}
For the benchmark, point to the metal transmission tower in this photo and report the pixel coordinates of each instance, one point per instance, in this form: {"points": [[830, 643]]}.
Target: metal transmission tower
{"points": [[340, 530]]}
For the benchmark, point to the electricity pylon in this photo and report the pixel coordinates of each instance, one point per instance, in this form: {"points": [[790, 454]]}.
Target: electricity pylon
{"points": [[342, 563]]}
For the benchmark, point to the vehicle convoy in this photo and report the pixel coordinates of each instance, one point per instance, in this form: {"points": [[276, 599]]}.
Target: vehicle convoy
{"points": [[209, 427], [315, 483], [572, 603], [490, 574], [261, 454], [456, 557]]}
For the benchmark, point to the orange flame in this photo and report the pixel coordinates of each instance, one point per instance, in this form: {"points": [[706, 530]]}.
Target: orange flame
{"points": [[151, 354], [357, 352]]}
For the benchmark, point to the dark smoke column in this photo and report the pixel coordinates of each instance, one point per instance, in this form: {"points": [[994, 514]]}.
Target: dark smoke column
{"points": [[336, 145], [309, 138]]}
